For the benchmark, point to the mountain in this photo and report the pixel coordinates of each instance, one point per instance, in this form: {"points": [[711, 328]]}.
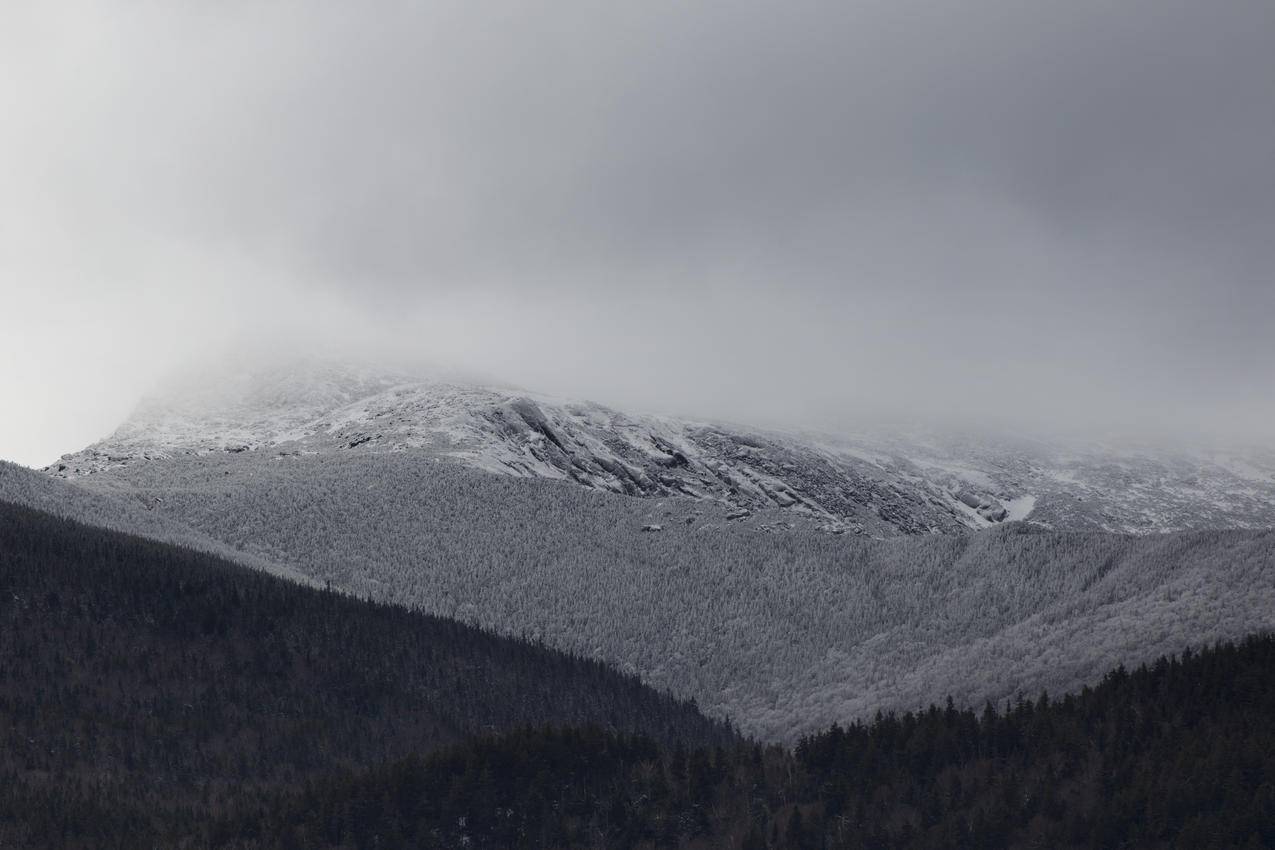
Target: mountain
{"points": [[876, 484], [782, 630], [142, 683], [602, 534], [784, 581]]}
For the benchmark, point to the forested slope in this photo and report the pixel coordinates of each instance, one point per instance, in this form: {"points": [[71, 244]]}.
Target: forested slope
{"points": [[1180, 754], [784, 632], [118, 511], [139, 680]]}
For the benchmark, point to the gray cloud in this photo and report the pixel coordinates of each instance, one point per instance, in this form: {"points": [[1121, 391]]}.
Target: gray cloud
{"points": [[794, 212]]}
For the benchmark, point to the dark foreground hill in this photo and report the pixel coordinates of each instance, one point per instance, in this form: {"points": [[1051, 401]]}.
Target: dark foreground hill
{"points": [[1180, 754], [140, 681]]}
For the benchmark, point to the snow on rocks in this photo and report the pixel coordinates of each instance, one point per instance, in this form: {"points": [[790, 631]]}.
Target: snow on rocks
{"points": [[882, 484]]}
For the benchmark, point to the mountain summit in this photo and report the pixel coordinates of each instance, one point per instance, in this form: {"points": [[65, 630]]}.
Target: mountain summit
{"points": [[879, 484]]}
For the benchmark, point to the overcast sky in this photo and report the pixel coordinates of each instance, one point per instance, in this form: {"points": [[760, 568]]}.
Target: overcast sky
{"points": [[793, 212]]}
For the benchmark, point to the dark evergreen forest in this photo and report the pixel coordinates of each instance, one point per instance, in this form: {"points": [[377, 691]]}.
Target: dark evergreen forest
{"points": [[152, 696], [1179, 754], [141, 682]]}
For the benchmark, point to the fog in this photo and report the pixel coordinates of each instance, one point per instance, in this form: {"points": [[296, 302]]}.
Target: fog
{"points": [[1035, 215]]}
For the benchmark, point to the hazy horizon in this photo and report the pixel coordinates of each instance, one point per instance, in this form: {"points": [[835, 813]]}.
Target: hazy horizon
{"points": [[1049, 218]]}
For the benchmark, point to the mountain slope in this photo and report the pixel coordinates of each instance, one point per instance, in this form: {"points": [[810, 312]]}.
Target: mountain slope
{"points": [[878, 484], [783, 631], [157, 679], [116, 510]]}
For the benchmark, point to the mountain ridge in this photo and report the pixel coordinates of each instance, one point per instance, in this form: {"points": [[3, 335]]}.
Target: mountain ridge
{"points": [[878, 484]]}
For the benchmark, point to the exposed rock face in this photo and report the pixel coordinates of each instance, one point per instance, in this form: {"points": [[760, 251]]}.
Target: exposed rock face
{"points": [[986, 508], [881, 485]]}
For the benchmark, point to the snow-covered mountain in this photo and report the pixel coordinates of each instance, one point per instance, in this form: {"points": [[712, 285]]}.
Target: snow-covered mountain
{"points": [[879, 484], [783, 631], [662, 546]]}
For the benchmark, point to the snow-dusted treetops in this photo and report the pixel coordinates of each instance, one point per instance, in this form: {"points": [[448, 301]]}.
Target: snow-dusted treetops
{"points": [[696, 555]]}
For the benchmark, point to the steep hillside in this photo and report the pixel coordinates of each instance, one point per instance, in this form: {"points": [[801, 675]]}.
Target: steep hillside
{"points": [[877, 484], [783, 631], [117, 511], [138, 679]]}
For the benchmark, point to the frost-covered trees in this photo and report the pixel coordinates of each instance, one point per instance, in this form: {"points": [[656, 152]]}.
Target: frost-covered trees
{"points": [[783, 632]]}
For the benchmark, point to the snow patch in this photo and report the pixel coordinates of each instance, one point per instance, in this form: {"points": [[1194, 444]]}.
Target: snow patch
{"points": [[1019, 508]]}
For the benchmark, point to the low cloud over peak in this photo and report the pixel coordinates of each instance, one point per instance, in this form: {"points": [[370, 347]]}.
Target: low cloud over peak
{"points": [[803, 212]]}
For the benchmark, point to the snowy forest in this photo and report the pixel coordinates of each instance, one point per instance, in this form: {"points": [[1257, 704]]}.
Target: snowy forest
{"points": [[783, 631], [157, 696]]}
